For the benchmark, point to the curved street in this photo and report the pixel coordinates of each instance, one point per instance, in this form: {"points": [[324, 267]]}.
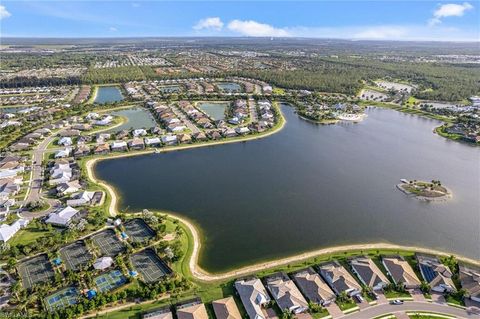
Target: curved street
{"points": [[412, 306]]}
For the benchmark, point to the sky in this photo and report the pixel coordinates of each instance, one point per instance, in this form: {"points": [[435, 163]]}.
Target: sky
{"points": [[373, 20]]}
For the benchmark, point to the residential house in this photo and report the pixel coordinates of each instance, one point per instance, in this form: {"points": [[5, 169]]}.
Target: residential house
{"points": [[105, 121], [339, 279], [254, 296], [65, 141], [63, 153], [400, 271], [8, 231], [139, 132], [226, 308], [68, 187], [62, 217], [163, 313], [119, 146], [469, 277], [200, 136], [193, 310], [81, 198], [242, 130], [438, 275], [136, 144], [184, 138], [169, 139], [286, 294], [152, 141], [102, 149], [369, 273], [81, 150], [313, 286]]}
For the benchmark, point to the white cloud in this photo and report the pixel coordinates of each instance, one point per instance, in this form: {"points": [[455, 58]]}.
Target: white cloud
{"points": [[4, 13], [449, 10], [381, 32], [212, 23], [256, 29], [112, 29]]}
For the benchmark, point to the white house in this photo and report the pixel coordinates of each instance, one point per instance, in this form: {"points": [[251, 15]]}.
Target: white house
{"points": [[139, 132], [169, 139], [68, 187], [80, 199], [154, 141], [105, 121], [65, 141], [62, 217], [7, 231], [63, 153]]}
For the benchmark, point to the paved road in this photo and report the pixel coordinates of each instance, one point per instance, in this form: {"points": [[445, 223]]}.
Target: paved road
{"points": [[184, 119], [413, 306]]}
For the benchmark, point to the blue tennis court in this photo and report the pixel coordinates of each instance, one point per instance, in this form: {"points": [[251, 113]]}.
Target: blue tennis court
{"points": [[110, 280], [61, 299]]}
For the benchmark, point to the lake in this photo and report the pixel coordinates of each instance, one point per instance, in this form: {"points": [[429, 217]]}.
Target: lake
{"points": [[137, 118], [216, 110], [311, 186], [108, 94], [229, 87]]}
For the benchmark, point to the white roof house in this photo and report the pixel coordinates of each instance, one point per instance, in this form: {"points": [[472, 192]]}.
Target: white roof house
{"points": [[7, 231], [103, 263], [139, 132], [80, 199], [68, 187], [63, 153], [119, 145], [105, 121], [62, 217], [65, 141], [152, 141], [253, 295]]}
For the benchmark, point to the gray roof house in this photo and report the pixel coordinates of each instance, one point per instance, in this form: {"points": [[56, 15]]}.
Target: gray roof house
{"points": [[339, 279], [253, 295], [286, 294], [438, 276], [470, 279], [313, 287], [369, 273], [400, 271]]}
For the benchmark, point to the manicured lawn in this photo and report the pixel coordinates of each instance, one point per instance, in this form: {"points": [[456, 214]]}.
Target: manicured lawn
{"points": [[396, 294], [455, 300], [29, 235], [320, 314], [346, 305]]}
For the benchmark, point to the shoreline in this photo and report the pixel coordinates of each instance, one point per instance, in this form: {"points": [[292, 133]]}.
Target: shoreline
{"points": [[202, 275], [442, 198]]}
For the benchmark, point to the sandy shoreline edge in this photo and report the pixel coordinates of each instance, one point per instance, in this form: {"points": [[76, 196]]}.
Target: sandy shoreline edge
{"points": [[203, 275]]}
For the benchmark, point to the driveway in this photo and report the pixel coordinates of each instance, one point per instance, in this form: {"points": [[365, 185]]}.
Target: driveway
{"points": [[417, 295], [438, 298], [334, 310]]}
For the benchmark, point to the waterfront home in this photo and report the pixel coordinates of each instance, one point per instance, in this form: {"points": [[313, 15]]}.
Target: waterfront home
{"points": [[92, 116], [400, 271], [152, 142], [369, 273], [136, 144], [123, 134], [139, 132], [8, 231], [242, 130], [62, 217], [82, 127], [105, 121], [176, 127], [68, 187], [81, 150], [101, 137], [339, 279], [438, 275], [254, 296], [229, 132], [226, 308], [286, 294], [119, 146], [163, 313], [169, 139], [469, 277], [214, 135], [200, 136], [192, 310], [102, 149], [313, 286], [184, 138], [65, 141], [63, 153], [81, 198]]}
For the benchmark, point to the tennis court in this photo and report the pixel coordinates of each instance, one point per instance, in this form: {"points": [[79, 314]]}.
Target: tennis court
{"points": [[147, 263], [110, 280], [75, 255], [61, 299], [108, 243], [138, 230], [36, 270]]}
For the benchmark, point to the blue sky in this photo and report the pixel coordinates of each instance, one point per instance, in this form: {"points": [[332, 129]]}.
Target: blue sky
{"points": [[393, 20]]}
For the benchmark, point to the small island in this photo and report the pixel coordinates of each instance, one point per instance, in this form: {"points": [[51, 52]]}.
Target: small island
{"points": [[423, 190]]}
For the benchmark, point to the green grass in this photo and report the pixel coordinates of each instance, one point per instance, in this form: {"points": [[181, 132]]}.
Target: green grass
{"points": [[440, 130], [346, 305], [397, 294], [29, 235], [456, 300]]}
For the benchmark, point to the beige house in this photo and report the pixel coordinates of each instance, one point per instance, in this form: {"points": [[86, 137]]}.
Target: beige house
{"points": [[313, 287], [400, 271], [369, 273], [226, 308], [286, 294], [194, 310], [470, 279]]}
